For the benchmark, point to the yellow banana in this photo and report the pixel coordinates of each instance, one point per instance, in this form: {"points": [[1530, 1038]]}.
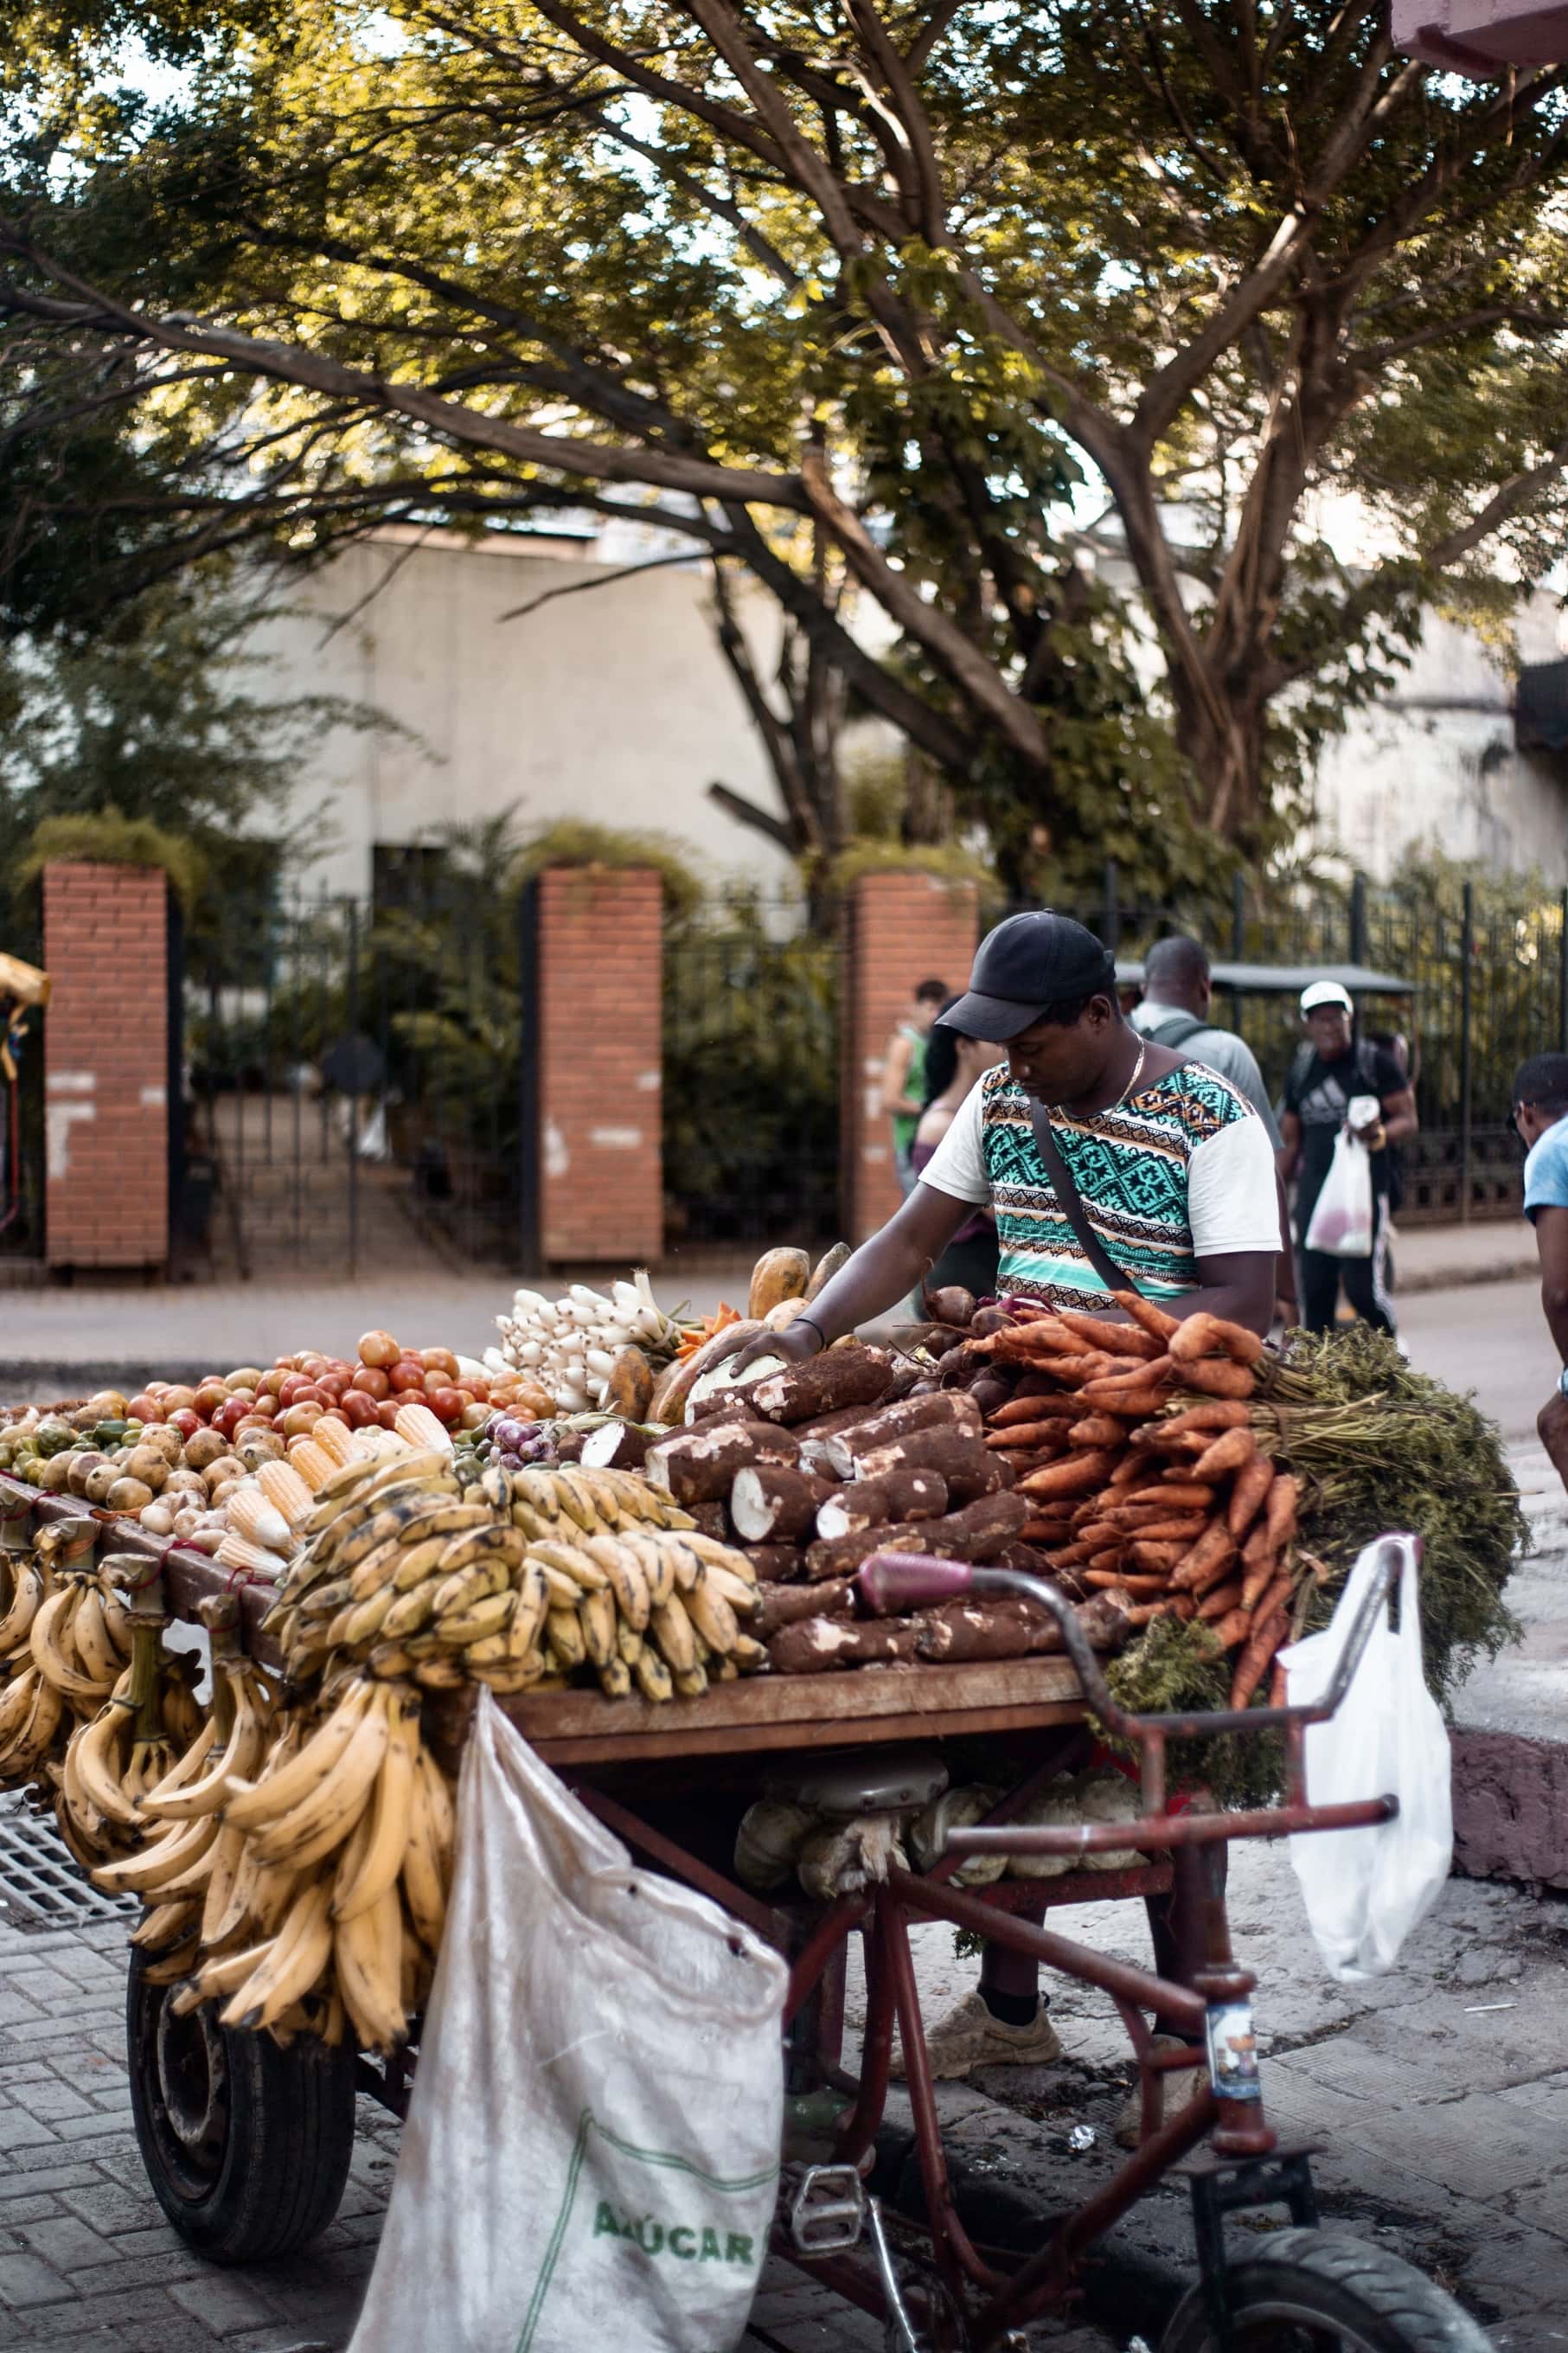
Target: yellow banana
{"points": [[491, 1614], [223, 1974], [368, 1954], [533, 1486], [577, 1503], [117, 1619], [389, 1660], [465, 1587], [712, 1616], [356, 1627], [46, 1642], [672, 1631], [410, 1612], [510, 1676], [528, 1616], [658, 1567], [495, 1486], [322, 1821], [183, 1775], [564, 1631], [494, 1544], [629, 1642], [228, 1849], [597, 1616], [17, 1623], [290, 1779], [744, 1600], [573, 1560], [651, 1675], [294, 1961], [376, 1868], [629, 1579], [427, 1867], [720, 1555], [749, 1655], [417, 1561], [166, 1923], [161, 1866], [615, 1678], [439, 1674], [38, 1733], [96, 1653], [101, 1750], [690, 1682]]}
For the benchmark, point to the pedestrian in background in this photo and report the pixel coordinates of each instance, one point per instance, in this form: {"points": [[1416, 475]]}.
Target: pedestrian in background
{"points": [[1178, 991], [954, 1067], [1540, 1117], [1331, 1067], [903, 1073]]}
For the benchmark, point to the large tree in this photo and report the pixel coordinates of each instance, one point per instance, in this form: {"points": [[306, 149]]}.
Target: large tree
{"points": [[884, 298]]}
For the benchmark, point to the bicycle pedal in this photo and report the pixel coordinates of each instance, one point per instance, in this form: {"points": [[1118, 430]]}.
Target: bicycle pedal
{"points": [[829, 2209]]}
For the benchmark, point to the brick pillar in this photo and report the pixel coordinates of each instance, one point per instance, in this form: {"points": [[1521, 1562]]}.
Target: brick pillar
{"points": [[600, 965], [106, 1065], [900, 929]]}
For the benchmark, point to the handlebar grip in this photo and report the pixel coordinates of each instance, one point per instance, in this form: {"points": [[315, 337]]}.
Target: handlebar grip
{"points": [[908, 1580]]}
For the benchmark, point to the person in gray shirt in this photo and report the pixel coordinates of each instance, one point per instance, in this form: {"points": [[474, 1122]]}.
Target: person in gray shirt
{"points": [[1177, 991]]}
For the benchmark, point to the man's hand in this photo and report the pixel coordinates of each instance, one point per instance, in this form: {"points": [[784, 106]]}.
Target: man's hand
{"points": [[797, 1343], [1553, 1425]]}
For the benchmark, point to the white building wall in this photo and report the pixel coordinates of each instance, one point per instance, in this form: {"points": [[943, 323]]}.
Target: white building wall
{"points": [[612, 705]]}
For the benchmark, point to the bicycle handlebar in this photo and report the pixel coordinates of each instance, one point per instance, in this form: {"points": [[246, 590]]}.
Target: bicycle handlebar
{"points": [[893, 1581]]}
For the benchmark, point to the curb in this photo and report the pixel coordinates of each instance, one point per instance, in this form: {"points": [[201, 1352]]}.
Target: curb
{"points": [[1461, 1278]]}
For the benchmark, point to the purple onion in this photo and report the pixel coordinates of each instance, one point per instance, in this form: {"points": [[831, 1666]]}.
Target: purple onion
{"points": [[510, 1433]]}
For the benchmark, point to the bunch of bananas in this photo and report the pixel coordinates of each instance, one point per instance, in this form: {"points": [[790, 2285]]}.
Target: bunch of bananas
{"points": [[519, 1581]]}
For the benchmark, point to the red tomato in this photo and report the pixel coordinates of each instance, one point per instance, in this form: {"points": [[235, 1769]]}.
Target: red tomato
{"points": [[186, 1421], [371, 1382], [446, 1405], [438, 1360], [409, 1372], [379, 1348], [388, 1411], [357, 1409], [291, 1386]]}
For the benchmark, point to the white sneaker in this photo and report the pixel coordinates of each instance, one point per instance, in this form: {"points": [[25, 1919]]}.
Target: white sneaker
{"points": [[969, 2036]]}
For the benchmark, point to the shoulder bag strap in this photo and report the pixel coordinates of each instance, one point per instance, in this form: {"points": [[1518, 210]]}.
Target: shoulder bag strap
{"points": [[1115, 1278]]}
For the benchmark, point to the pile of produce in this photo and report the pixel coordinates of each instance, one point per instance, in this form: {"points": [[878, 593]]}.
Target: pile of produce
{"points": [[588, 1348]]}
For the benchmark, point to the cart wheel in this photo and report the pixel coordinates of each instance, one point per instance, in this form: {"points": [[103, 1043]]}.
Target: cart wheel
{"points": [[1308, 2292], [247, 2146]]}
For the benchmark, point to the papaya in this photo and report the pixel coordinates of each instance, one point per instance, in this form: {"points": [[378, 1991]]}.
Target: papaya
{"points": [[827, 1266], [785, 1312], [778, 1275], [630, 1384]]}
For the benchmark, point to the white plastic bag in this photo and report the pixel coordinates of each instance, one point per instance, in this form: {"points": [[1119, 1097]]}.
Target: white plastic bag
{"points": [[1341, 1223], [591, 2158], [1364, 1890]]}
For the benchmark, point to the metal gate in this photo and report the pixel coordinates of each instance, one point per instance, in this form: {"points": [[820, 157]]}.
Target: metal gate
{"points": [[349, 1096], [751, 1075]]}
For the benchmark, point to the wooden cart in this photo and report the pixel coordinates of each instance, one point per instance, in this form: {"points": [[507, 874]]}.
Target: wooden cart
{"points": [[248, 2145]]}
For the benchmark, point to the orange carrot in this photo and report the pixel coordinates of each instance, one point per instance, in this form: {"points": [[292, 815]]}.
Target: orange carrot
{"points": [[1259, 1578], [1278, 1691], [1017, 1410], [1231, 1451], [1154, 1320], [1214, 1413], [1211, 1336], [1096, 1430], [1116, 1339], [1180, 1606], [1271, 1622], [1182, 1527], [1252, 1485], [1180, 1492], [1213, 1548], [1218, 1377], [1232, 1629], [1130, 1468], [1077, 1475], [1027, 1433], [1108, 1558], [1141, 1588], [1044, 1533], [1221, 1599], [1148, 1554], [1279, 1515]]}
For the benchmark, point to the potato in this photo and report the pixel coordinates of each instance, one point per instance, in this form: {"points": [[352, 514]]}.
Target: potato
{"points": [[223, 1491], [185, 1482], [157, 1518], [53, 1473], [149, 1465], [160, 1439], [204, 1447], [100, 1482], [129, 1495], [219, 1472], [256, 1447], [79, 1467]]}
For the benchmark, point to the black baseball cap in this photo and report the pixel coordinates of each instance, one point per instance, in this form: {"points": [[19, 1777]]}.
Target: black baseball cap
{"points": [[1026, 963]]}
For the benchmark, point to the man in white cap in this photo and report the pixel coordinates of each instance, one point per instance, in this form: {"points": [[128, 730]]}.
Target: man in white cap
{"points": [[1336, 1067]]}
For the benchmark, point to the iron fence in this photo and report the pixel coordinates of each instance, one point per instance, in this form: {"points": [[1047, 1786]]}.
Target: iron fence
{"points": [[1487, 964], [350, 1087], [751, 1074]]}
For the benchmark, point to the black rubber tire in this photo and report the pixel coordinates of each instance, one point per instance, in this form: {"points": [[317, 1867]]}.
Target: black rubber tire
{"points": [[1324, 2282], [259, 2166]]}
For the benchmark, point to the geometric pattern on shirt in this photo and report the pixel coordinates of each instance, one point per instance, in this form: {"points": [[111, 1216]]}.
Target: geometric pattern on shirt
{"points": [[1129, 1163]]}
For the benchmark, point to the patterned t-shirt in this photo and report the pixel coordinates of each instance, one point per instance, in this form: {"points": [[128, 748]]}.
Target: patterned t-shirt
{"points": [[1180, 1171]]}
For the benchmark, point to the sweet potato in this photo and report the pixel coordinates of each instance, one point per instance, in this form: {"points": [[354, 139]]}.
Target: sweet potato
{"points": [[1246, 1497], [1231, 1451], [1210, 1336], [830, 1263], [1079, 1475], [1143, 1312], [1218, 1377]]}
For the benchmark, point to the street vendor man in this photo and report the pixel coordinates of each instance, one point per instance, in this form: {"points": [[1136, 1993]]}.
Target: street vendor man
{"points": [[1109, 1162]]}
